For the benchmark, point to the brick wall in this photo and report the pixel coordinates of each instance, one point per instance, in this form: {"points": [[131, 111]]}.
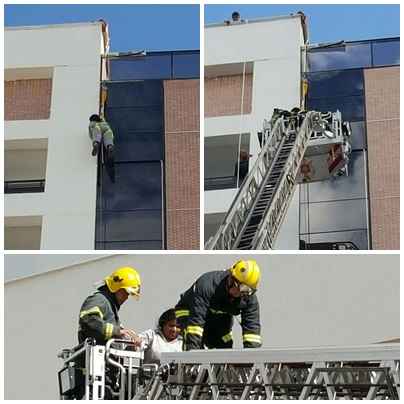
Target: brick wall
{"points": [[27, 99], [223, 95], [382, 89], [181, 104]]}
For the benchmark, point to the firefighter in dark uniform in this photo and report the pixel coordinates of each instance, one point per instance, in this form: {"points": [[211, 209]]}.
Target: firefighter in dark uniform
{"points": [[99, 318], [99, 313], [206, 310]]}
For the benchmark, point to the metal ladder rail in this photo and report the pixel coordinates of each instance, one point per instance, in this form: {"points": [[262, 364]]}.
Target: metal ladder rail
{"points": [[235, 217], [276, 211], [257, 195], [264, 197]]}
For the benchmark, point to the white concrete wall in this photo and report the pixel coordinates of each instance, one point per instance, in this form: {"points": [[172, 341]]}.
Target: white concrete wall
{"points": [[274, 47], [306, 300], [73, 52]]}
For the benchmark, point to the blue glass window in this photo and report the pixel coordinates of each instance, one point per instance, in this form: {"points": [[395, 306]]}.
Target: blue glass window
{"points": [[348, 56], [185, 65], [132, 226], [386, 53], [349, 187], [349, 214], [153, 66], [137, 186], [352, 108], [335, 83]]}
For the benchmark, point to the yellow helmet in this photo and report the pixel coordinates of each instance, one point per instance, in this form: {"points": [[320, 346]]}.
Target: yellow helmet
{"points": [[124, 278], [247, 272]]}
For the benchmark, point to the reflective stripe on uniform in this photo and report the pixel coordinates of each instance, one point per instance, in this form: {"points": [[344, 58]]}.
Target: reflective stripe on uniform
{"points": [[252, 338], [109, 328], [228, 337], [217, 311], [195, 329], [93, 310], [181, 313]]}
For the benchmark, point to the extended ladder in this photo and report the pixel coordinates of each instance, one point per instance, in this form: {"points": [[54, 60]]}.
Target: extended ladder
{"points": [[330, 373], [256, 214]]}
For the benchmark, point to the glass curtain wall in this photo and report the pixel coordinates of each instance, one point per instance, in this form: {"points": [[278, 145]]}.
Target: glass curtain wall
{"points": [[336, 210], [130, 210]]}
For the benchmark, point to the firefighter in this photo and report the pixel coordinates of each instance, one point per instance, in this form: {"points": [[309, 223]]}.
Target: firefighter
{"points": [[206, 310], [99, 313], [100, 132]]}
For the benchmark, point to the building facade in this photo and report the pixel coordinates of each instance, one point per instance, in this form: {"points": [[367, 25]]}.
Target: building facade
{"points": [[361, 79], [317, 308], [63, 198]]}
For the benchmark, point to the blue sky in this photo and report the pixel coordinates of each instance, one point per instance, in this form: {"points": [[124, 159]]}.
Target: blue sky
{"points": [[331, 22], [132, 27]]}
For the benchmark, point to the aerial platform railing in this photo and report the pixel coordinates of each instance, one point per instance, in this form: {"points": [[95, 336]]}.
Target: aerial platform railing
{"points": [[356, 372], [299, 129]]}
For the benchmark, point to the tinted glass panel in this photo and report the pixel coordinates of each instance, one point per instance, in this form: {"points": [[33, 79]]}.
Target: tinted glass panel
{"points": [[221, 160], [212, 223], [386, 53], [340, 215], [132, 245], [185, 65], [335, 83], [135, 119], [137, 186], [358, 138], [349, 187], [141, 67], [352, 108], [357, 237], [139, 146], [133, 226], [138, 94], [340, 57]]}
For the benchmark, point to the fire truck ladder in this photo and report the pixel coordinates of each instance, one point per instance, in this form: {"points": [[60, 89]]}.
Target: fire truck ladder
{"points": [[330, 373], [115, 371], [256, 214]]}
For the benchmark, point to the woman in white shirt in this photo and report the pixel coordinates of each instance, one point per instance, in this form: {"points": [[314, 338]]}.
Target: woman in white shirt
{"points": [[165, 338]]}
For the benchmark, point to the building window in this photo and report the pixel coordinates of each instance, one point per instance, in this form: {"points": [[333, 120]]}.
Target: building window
{"points": [[336, 210], [347, 56], [386, 53], [155, 65], [226, 157], [27, 94], [186, 65], [130, 211], [25, 166]]}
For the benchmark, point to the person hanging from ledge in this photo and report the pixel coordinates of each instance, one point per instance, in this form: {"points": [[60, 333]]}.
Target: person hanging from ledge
{"points": [[101, 133], [206, 310]]}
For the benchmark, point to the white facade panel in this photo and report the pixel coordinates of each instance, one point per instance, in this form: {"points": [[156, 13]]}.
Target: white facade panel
{"points": [[73, 53], [52, 45], [305, 300], [272, 39]]}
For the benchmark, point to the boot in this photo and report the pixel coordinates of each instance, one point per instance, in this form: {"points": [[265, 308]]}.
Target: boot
{"points": [[96, 147], [110, 153]]}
